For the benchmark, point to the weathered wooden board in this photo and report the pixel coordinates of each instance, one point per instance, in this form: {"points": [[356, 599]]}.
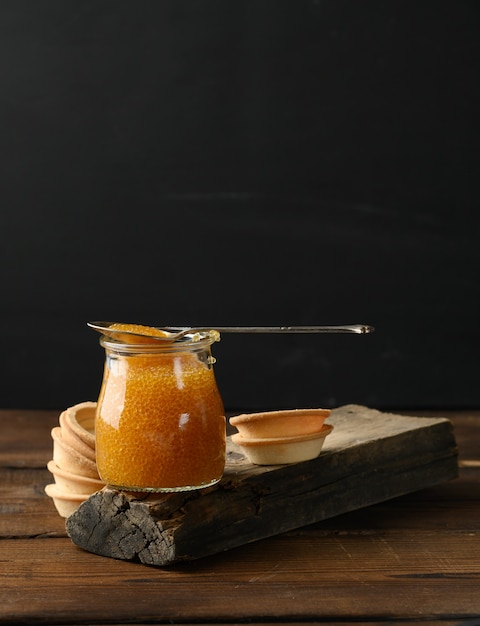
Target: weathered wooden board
{"points": [[370, 457]]}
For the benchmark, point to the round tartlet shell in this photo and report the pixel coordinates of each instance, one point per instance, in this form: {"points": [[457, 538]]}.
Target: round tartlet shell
{"points": [[285, 423], [283, 450]]}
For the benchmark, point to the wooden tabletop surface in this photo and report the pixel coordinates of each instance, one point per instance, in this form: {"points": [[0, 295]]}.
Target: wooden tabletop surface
{"points": [[413, 559]]}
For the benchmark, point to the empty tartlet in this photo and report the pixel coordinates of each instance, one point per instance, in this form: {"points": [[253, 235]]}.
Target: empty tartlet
{"points": [[73, 465], [80, 420], [65, 503], [284, 423], [281, 437], [283, 450], [74, 483]]}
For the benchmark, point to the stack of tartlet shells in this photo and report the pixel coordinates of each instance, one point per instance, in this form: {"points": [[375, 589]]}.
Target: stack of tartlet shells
{"points": [[281, 437], [74, 465]]}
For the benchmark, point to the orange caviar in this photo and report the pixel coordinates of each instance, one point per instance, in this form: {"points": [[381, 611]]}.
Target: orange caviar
{"points": [[143, 333], [160, 422]]}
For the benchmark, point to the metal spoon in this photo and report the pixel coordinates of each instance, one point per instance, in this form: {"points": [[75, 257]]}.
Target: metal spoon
{"points": [[173, 333]]}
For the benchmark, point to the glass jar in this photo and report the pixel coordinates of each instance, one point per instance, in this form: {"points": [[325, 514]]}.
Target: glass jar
{"points": [[160, 421]]}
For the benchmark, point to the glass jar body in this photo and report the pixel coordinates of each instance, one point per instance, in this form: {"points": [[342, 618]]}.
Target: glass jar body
{"points": [[160, 422]]}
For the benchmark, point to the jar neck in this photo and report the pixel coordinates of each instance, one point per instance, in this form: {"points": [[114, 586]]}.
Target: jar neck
{"points": [[189, 343]]}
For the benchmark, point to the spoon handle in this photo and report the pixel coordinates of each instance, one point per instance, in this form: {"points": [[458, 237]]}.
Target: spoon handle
{"points": [[358, 329]]}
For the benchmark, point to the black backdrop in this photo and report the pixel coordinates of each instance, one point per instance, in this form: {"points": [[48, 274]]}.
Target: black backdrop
{"points": [[249, 162]]}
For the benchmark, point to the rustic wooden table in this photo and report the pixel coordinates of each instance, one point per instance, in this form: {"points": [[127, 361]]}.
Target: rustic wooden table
{"points": [[413, 559]]}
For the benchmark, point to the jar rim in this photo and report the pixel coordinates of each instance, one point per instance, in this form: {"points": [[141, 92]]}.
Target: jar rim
{"points": [[190, 342]]}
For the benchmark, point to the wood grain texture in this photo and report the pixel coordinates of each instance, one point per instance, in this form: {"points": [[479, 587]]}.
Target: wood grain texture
{"points": [[298, 576], [412, 559], [370, 457]]}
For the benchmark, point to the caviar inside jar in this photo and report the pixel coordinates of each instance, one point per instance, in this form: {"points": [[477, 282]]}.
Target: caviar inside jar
{"points": [[160, 422]]}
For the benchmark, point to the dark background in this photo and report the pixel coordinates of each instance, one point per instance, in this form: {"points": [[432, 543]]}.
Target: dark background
{"points": [[251, 162]]}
